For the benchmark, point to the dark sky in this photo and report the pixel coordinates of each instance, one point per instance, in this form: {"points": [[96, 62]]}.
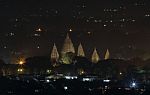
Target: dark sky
{"points": [[122, 26]]}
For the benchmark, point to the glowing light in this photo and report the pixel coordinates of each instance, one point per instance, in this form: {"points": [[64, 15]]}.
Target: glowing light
{"points": [[65, 87], [120, 73], [89, 33], [20, 70], [133, 84], [47, 81], [39, 30], [70, 30], [21, 62], [86, 79], [105, 25], [48, 71], [106, 80]]}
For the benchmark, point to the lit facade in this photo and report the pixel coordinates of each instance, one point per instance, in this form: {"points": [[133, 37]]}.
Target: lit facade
{"points": [[95, 56], [107, 54], [68, 52], [80, 51], [54, 55]]}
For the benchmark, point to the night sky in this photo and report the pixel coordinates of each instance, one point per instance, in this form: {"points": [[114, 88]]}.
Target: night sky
{"points": [[30, 27]]}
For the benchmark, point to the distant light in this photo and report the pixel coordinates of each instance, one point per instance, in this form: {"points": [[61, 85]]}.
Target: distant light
{"points": [[39, 30], [5, 47], [21, 62], [86, 79], [70, 30], [133, 85], [37, 35], [105, 25], [147, 15], [120, 73], [20, 70], [48, 71], [65, 87], [106, 80], [71, 77], [89, 33]]}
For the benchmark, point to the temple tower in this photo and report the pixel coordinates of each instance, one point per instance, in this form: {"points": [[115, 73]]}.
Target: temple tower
{"points": [[54, 55], [107, 54], [68, 46], [80, 51], [95, 56]]}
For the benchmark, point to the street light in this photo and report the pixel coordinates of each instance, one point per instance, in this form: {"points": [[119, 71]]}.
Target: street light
{"points": [[21, 62]]}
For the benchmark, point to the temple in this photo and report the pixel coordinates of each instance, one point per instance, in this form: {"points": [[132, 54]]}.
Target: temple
{"points": [[80, 51], [68, 46], [54, 55], [95, 56], [107, 54], [68, 52]]}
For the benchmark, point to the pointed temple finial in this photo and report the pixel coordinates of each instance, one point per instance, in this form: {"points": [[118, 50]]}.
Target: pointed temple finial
{"points": [[107, 54], [68, 45], [95, 56], [80, 51]]}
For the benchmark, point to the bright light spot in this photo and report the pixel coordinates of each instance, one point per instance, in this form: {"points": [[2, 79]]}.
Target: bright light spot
{"points": [[21, 62], [39, 30], [70, 30], [48, 71], [20, 70], [86, 79], [120, 73], [47, 81], [65, 87], [71, 77], [133, 84], [89, 33], [105, 25], [106, 80], [5, 47]]}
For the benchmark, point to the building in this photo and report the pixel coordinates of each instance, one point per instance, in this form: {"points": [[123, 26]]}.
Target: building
{"points": [[95, 56], [68, 46], [107, 54], [80, 51], [54, 55], [68, 53]]}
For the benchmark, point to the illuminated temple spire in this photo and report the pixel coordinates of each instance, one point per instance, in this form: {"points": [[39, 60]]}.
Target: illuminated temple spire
{"points": [[54, 54], [95, 56], [68, 46], [107, 55], [80, 51]]}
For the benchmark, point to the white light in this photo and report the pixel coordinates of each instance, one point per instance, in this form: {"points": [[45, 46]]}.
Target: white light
{"points": [[133, 84], [86, 79], [47, 81], [65, 87], [67, 77], [106, 80], [70, 30], [120, 73]]}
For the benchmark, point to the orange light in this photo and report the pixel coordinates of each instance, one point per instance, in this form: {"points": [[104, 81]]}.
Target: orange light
{"points": [[21, 62]]}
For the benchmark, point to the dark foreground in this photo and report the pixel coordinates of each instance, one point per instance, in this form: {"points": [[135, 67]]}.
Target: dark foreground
{"points": [[40, 85]]}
